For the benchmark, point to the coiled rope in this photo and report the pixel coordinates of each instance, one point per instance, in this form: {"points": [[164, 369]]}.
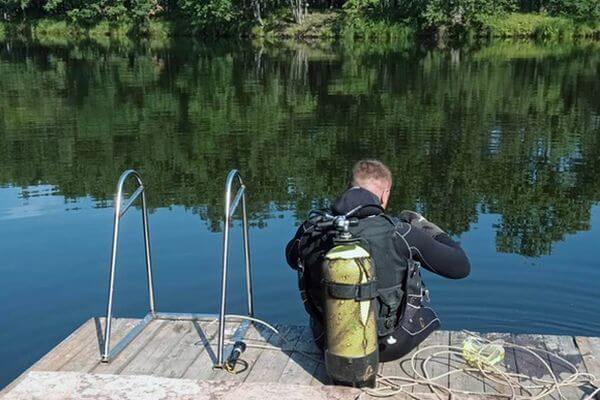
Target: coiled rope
{"points": [[541, 387], [390, 385]]}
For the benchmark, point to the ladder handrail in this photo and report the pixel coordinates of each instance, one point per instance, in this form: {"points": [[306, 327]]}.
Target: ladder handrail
{"points": [[120, 210], [230, 208]]}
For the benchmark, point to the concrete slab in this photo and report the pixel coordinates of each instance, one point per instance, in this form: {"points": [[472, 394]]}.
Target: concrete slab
{"points": [[79, 386]]}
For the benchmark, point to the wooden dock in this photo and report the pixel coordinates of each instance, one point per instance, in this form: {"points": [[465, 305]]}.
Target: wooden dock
{"points": [[173, 360]]}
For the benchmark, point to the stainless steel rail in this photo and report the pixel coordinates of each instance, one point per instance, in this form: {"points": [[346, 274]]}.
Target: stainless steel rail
{"points": [[230, 207], [120, 210]]}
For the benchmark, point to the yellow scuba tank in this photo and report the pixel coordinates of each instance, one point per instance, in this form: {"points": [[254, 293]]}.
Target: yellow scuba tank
{"points": [[351, 351]]}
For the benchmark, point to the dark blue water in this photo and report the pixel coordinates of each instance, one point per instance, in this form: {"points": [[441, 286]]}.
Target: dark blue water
{"points": [[500, 146]]}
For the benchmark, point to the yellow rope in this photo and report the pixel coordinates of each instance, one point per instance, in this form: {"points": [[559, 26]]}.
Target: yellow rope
{"points": [[228, 367]]}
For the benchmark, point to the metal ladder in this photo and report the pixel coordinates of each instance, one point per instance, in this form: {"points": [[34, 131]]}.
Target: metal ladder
{"points": [[230, 207]]}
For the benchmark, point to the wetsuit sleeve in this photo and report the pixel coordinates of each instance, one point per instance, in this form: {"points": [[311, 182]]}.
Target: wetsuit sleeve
{"points": [[439, 254], [292, 251]]}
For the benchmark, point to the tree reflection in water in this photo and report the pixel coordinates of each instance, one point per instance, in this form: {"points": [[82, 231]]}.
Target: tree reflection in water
{"points": [[509, 128]]}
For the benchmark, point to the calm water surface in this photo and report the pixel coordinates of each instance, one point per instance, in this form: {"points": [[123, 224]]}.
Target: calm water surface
{"points": [[499, 144]]}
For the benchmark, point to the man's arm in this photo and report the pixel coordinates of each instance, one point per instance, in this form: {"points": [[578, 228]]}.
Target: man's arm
{"points": [[433, 247], [439, 254], [292, 251]]}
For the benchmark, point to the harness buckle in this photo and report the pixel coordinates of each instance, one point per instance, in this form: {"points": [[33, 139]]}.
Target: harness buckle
{"points": [[300, 265]]}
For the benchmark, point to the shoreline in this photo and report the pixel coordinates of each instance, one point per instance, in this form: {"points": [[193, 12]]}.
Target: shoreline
{"points": [[318, 26]]}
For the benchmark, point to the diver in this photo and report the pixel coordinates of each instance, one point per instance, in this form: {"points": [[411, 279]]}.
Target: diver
{"points": [[398, 246]]}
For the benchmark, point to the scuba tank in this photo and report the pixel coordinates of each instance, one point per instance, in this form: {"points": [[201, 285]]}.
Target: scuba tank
{"points": [[351, 350]]}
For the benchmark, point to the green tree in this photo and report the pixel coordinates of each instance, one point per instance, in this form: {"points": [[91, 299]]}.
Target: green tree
{"points": [[88, 12], [13, 8], [581, 9], [217, 17], [463, 14]]}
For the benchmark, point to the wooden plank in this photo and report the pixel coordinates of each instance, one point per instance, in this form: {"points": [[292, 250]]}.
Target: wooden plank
{"points": [[254, 339], [465, 381], [181, 357], [170, 349], [401, 368], [138, 344], [440, 364], [564, 346], [320, 377], [61, 354], [291, 337], [154, 352], [417, 366], [270, 364], [89, 356], [589, 347], [202, 366], [303, 362], [405, 365], [527, 363], [437, 365], [509, 365], [306, 343], [58, 355], [178, 359]]}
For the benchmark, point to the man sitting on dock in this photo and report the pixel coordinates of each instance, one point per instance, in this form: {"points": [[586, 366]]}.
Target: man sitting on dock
{"points": [[402, 321]]}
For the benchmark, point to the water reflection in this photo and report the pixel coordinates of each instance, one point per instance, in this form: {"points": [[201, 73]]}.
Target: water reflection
{"points": [[510, 128]]}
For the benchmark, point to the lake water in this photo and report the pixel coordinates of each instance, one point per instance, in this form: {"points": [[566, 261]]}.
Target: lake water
{"points": [[499, 144]]}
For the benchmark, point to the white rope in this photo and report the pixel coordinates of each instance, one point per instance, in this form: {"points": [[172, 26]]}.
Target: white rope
{"points": [[388, 386], [253, 319], [391, 385], [276, 331]]}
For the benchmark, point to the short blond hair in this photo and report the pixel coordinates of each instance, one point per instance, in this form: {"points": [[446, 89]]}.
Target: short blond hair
{"points": [[370, 170]]}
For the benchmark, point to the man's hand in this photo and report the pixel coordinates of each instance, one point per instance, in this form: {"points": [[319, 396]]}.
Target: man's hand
{"points": [[410, 216], [419, 221]]}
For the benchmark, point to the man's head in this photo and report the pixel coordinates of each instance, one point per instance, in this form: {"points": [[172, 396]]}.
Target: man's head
{"points": [[375, 177]]}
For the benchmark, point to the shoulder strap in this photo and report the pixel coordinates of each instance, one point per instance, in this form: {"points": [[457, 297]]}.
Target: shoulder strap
{"points": [[388, 218]]}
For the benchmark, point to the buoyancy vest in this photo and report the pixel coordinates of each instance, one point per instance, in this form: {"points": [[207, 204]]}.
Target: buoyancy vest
{"points": [[397, 276]]}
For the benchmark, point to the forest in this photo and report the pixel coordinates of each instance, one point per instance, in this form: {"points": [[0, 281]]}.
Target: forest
{"points": [[306, 18]]}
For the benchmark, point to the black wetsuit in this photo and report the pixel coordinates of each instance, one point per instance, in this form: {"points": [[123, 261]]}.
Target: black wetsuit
{"points": [[439, 254]]}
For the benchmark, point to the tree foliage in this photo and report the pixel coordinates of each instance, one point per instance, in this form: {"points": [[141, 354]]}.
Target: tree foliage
{"points": [[221, 17], [463, 14], [216, 16], [13, 8], [581, 9]]}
